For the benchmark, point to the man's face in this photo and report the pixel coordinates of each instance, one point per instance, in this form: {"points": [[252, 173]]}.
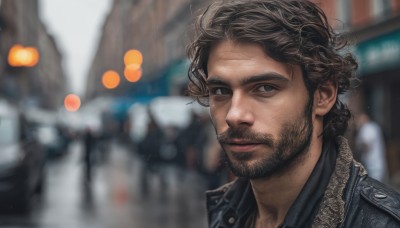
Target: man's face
{"points": [[260, 109]]}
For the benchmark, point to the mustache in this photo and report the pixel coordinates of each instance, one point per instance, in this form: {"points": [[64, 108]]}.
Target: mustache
{"points": [[245, 134]]}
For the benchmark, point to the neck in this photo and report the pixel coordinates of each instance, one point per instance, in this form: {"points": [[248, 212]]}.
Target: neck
{"points": [[276, 194]]}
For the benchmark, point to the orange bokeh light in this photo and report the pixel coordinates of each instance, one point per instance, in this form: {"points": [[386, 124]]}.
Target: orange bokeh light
{"points": [[23, 56], [133, 57], [72, 102], [34, 56], [110, 79], [133, 73]]}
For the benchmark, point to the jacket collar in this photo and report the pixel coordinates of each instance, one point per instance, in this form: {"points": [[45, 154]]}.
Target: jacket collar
{"points": [[331, 212], [304, 208]]}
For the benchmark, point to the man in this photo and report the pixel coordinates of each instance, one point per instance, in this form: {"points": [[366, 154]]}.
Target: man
{"points": [[271, 72], [370, 145]]}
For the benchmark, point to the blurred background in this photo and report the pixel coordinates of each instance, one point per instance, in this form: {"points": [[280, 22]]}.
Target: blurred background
{"points": [[95, 127]]}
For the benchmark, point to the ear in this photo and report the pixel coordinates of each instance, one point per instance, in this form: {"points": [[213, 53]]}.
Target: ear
{"points": [[324, 98]]}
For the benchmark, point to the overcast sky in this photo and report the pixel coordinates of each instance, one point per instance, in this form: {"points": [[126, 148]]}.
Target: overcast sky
{"points": [[76, 25]]}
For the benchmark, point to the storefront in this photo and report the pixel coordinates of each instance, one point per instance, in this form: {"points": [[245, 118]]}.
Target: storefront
{"points": [[379, 91]]}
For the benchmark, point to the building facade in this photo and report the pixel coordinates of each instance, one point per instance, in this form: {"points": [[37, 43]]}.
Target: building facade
{"points": [[373, 28], [42, 85], [159, 29]]}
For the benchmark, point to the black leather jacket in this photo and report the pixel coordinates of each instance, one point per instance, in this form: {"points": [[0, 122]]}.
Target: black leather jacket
{"points": [[361, 202], [369, 203]]}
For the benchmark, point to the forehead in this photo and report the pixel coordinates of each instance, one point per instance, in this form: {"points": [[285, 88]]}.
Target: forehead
{"points": [[243, 59]]}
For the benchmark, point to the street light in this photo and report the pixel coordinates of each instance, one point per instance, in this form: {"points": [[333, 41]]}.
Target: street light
{"points": [[133, 60], [20, 56], [133, 56], [72, 102], [110, 79], [133, 72]]}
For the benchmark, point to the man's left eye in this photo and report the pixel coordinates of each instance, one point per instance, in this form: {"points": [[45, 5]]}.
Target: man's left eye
{"points": [[266, 88]]}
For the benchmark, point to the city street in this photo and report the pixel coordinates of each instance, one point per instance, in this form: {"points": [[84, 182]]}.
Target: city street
{"points": [[114, 198], [122, 114]]}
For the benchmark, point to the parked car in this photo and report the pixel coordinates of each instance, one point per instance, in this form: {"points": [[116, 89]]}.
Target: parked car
{"points": [[51, 140], [53, 136], [22, 161]]}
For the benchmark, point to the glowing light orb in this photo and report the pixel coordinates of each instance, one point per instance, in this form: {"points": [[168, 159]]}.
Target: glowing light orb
{"points": [[133, 56], [20, 56], [133, 73], [111, 79], [72, 102]]}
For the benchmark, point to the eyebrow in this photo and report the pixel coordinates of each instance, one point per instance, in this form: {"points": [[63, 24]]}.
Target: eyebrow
{"points": [[251, 79]]}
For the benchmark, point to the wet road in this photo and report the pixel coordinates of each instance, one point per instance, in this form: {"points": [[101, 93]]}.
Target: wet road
{"points": [[114, 198]]}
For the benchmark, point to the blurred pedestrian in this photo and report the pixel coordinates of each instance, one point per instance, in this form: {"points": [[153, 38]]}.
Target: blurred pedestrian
{"points": [[271, 72], [89, 143], [192, 140], [370, 146], [149, 150]]}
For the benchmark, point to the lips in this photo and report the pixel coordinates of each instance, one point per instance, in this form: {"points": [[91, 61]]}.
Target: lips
{"points": [[241, 145]]}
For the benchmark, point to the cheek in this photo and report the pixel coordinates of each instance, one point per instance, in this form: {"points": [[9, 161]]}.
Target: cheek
{"points": [[269, 120], [270, 125], [218, 118]]}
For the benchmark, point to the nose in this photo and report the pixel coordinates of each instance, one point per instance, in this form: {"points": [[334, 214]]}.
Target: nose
{"points": [[240, 112]]}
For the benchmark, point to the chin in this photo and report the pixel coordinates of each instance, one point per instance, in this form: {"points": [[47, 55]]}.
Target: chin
{"points": [[241, 156]]}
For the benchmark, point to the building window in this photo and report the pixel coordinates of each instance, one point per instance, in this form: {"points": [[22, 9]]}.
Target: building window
{"points": [[380, 8], [344, 14]]}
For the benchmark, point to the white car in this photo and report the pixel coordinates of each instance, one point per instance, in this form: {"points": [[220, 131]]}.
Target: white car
{"points": [[171, 111]]}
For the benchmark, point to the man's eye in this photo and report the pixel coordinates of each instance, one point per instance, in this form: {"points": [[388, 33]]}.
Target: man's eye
{"points": [[266, 88]]}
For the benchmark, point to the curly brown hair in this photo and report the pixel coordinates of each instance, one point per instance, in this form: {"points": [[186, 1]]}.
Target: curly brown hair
{"points": [[292, 31]]}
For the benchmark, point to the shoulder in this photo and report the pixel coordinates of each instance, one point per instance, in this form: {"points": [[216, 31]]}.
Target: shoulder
{"points": [[381, 201], [216, 204], [214, 196], [226, 204], [221, 189]]}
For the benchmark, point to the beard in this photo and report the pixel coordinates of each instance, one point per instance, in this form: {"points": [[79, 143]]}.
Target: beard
{"points": [[292, 145]]}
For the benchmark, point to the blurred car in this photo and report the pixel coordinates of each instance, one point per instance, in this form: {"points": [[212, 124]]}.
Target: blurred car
{"points": [[53, 136], [171, 114], [22, 161], [50, 136]]}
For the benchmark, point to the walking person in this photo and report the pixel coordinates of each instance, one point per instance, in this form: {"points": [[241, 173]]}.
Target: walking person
{"points": [[89, 144], [370, 145], [271, 72], [149, 150]]}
